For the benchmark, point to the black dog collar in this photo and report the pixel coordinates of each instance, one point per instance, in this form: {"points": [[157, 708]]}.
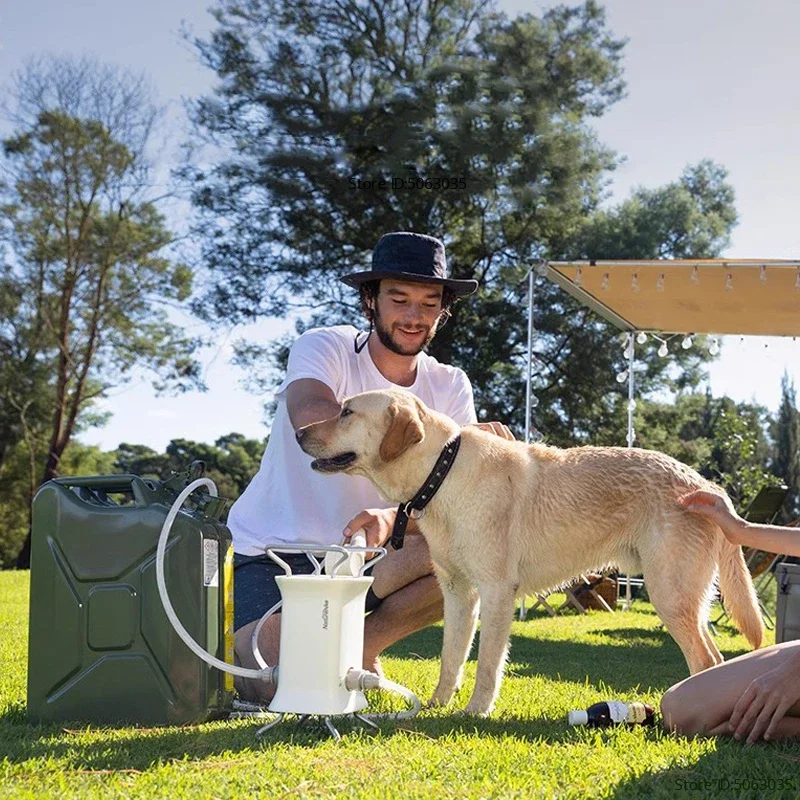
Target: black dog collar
{"points": [[426, 493]]}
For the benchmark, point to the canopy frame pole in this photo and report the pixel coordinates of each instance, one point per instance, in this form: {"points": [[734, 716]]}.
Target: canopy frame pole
{"points": [[630, 436], [523, 613]]}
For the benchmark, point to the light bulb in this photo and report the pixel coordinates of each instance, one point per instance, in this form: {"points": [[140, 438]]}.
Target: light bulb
{"points": [[686, 343], [695, 276], [628, 351], [762, 273], [635, 282], [534, 401], [660, 283], [578, 277], [622, 376], [663, 350], [729, 282], [604, 282], [631, 405], [631, 438], [713, 348], [641, 337]]}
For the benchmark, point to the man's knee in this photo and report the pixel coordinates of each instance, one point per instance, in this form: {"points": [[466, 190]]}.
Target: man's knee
{"points": [[252, 689]]}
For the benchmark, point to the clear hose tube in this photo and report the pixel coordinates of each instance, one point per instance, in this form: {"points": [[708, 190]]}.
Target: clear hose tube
{"points": [[267, 673]]}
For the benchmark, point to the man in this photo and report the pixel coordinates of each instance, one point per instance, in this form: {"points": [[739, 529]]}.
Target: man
{"points": [[405, 296]]}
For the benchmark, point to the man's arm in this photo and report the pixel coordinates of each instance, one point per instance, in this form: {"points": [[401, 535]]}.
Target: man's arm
{"points": [[309, 400]]}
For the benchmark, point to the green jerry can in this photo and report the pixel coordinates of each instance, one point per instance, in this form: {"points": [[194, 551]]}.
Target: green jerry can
{"points": [[101, 648]]}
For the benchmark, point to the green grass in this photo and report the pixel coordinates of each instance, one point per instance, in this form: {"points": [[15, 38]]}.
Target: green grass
{"points": [[524, 750]]}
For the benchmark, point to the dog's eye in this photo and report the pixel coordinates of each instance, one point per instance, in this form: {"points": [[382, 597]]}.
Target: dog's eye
{"points": [[346, 412]]}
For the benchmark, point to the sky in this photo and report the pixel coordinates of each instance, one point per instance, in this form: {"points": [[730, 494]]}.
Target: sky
{"points": [[710, 79]]}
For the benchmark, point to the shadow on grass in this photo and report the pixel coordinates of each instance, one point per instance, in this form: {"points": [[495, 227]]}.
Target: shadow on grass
{"points": [[140, 750], [621, 668], [730, 770]]}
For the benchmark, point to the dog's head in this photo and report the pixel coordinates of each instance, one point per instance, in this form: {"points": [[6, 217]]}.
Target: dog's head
{"points": [[373, 429]]}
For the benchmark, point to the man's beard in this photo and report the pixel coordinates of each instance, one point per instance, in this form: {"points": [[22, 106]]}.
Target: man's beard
{"points": [[385, 338]]}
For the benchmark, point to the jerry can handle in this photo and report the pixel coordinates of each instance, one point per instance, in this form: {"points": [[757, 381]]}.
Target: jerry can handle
{"points": [[142, 495]]}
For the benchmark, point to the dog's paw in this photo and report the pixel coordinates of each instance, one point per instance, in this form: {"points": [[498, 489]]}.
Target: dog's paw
{"points": [[474, 709], [439, 700]]}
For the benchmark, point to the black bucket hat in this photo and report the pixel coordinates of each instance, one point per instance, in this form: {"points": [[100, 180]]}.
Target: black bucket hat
{"points": [[407, 256]]}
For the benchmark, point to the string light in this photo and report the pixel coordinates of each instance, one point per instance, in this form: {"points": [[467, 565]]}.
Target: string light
{"points": [[604, 282], [729, 282], [686, 343], [641, 337], [578, 277], [762, 273], [635, 282], [713, 348], [631, 405], [663, 350], [695, 276], [631, 438], [628, 351], [660, 283], [622, 376], [534, 400]]}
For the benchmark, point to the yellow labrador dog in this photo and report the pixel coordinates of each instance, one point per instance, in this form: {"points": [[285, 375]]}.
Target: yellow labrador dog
{"points": [[512, 519]]}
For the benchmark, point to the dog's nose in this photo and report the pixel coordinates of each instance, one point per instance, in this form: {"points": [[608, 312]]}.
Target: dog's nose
{"points": [[299, 434]]}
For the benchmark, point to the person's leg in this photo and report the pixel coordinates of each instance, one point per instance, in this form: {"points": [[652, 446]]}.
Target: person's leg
{"points": [[702, 704], [410, 599], [269, 639]]}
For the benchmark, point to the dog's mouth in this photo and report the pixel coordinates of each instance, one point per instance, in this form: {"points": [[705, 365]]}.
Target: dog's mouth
{"points": [[333, 464]]}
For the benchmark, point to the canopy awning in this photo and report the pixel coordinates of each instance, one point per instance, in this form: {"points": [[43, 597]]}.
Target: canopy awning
{"points": [[716, 296]]}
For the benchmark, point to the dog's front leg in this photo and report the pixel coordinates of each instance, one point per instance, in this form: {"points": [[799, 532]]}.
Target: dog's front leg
{"points": [[497, 611], [460, 621]]}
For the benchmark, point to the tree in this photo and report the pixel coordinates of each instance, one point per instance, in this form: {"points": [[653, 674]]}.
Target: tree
{"points": [[91, 273], [786, 435], [350, 119], [231, 462]]}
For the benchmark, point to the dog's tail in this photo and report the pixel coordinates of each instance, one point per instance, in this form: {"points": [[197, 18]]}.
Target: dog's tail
{"points": [[738, 593]]}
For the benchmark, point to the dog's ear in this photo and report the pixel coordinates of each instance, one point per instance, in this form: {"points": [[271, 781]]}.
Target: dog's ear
{"points": [[405, 429]]}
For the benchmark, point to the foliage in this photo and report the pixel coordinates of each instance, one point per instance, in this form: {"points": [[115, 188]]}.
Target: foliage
{"points": [[786, 461], [85, 291], [322, 118], [231, 462]]}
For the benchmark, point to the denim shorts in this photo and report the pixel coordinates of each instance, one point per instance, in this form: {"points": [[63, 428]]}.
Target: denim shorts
{"points": [[255, 590]]}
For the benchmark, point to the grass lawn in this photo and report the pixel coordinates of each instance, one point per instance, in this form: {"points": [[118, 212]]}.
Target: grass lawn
{"points": [[524, 750]]}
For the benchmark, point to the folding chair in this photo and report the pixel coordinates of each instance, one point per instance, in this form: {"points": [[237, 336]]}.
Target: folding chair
{"points": [[541, 600], [576, 595]]}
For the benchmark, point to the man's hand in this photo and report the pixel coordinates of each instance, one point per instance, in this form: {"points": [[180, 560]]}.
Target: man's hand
{"points": [[718, 508], [375, 523], [497, 428], [766, 701]]}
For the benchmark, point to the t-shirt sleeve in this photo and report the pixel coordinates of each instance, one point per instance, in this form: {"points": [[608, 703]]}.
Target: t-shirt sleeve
{"points": [[316, 354], [462, 403]]}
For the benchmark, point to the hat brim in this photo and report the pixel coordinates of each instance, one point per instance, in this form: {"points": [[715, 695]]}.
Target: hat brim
{"points": [[460, 287]]}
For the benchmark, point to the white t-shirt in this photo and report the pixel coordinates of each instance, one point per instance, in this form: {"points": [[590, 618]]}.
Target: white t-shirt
{"points": [[287, 501]]}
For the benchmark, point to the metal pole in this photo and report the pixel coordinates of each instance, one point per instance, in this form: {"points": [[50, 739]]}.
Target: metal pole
{"points": [[631, 357], [529, 381], [528, 385], [630, 388]]}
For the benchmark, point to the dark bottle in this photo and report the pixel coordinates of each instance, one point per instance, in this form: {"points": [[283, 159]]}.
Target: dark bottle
{"points": [[602, 715]]}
